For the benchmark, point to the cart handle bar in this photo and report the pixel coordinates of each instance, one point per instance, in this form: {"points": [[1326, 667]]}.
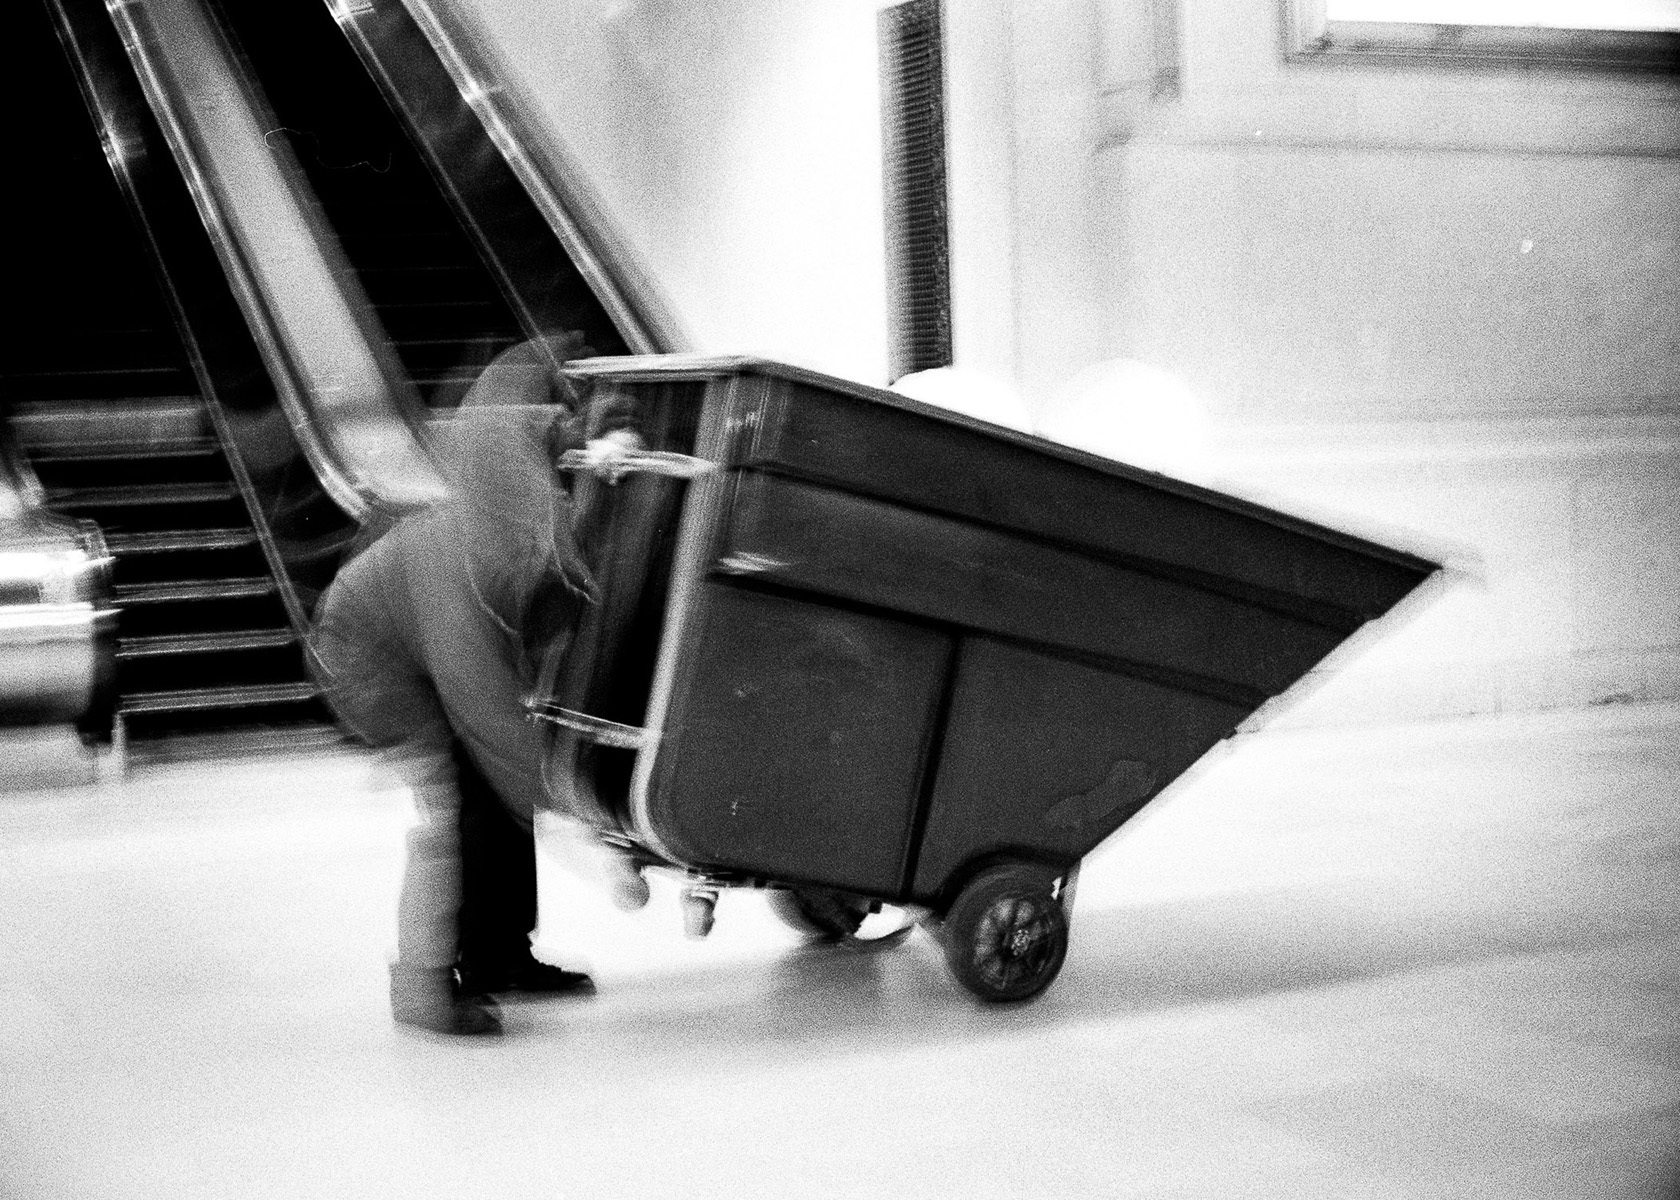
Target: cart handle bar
{"points": [[637, 462], [596, 729]]}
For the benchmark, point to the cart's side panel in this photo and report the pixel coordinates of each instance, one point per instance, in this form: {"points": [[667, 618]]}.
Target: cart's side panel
{"points": [[894, 452], [801, 741], [1043, 757], [963, 574]]}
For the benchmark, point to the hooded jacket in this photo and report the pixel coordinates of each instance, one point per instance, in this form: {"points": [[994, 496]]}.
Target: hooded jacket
{"points": [[438, 629]]}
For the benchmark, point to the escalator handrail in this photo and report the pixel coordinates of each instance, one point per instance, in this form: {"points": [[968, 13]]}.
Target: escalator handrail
{"points": [[356, 494], [237, 267]]}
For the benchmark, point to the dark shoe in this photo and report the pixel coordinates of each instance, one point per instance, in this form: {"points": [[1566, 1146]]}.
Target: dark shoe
{"points": [[431, 998], [529, 976]]}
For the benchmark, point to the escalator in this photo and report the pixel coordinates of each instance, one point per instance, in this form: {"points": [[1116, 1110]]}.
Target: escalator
{"points": [[106, 390], [450, 288], [434, 300], [145, 401]]}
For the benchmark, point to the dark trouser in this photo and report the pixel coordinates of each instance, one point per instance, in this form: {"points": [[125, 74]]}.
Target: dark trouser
{"points": [[498, 875]]}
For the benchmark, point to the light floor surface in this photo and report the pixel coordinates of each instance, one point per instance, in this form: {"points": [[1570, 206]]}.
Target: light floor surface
{"points": [[1439, 961]]}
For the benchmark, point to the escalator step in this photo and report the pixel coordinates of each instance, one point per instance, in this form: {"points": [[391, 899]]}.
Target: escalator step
{"points": [[489, 340], [431, 379], [118, 421], [76, 452], [159, 739], [194, 589], [138, 494], [162, 540], [203, 643], [190, 699]]}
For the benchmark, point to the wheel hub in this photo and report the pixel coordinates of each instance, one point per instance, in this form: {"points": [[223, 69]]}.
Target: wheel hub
{"points": [[1020, 941]]}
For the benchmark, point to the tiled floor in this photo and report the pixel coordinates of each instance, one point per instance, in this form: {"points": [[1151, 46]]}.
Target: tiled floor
{"points": [[1435, 962]]}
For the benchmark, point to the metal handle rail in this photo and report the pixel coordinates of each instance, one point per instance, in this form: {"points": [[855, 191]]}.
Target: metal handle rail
{"points": [[597, 729], [668, 463]]}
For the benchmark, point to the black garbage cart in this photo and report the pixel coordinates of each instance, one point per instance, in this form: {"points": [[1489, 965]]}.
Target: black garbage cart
{"points": [[865, 651]]}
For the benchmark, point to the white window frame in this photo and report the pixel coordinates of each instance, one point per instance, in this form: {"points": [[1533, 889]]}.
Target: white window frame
{"points": [[1310, 36]]}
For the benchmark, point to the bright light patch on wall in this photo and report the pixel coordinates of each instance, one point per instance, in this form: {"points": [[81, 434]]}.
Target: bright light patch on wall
{"points": [[1643, 15], [972, 393], [1135, 413]]}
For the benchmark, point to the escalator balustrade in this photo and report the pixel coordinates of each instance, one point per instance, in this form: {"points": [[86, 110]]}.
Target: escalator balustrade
{"points": [[438, 303]]}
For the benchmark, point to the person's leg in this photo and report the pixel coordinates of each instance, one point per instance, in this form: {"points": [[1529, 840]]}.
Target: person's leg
{"points": [[379, 692], [430, 896], [425, 988], [498, 864], [498, 909]]}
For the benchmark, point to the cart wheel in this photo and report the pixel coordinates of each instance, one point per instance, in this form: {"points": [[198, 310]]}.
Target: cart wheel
{"points": [[824, 914], [1007, 934]]}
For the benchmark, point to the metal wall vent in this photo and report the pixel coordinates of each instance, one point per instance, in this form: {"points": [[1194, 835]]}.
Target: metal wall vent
{"points": [[917, 221]]}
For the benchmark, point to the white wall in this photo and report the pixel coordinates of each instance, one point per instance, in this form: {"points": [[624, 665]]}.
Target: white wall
{"points": [[1438, 306], [737, 148]]}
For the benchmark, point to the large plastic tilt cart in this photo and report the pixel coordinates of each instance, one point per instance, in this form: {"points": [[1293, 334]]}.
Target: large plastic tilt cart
{"points": [[862, 651]]}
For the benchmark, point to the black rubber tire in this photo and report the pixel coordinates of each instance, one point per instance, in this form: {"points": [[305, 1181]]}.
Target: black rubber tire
{"points": [[1006, 936]]}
